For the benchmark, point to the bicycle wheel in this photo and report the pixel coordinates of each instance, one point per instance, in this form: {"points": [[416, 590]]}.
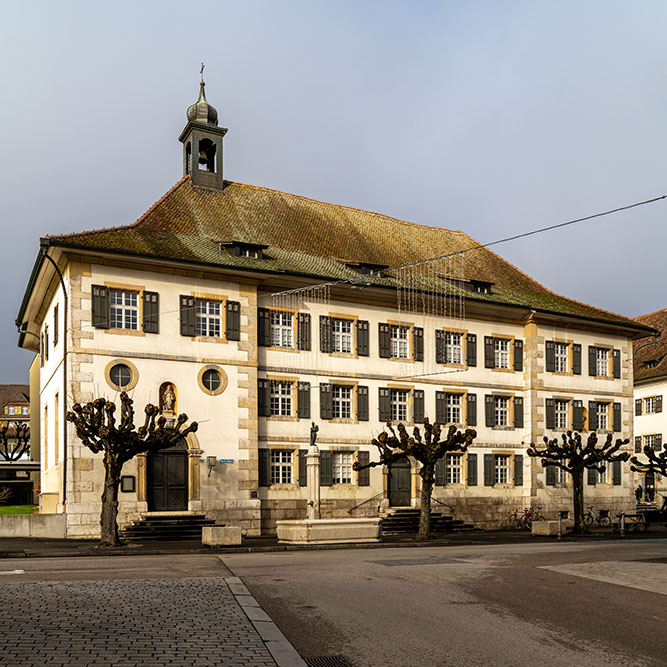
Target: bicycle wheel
{"points": [[588, 519], [529, 523], [518, 524], [605, 521]]}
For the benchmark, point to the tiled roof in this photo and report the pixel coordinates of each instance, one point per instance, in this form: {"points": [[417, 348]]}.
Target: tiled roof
{"points": [[311, 238], [654, 355]]}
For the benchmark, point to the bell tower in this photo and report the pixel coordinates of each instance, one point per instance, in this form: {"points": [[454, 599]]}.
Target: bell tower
{"points": [[202, 142]]}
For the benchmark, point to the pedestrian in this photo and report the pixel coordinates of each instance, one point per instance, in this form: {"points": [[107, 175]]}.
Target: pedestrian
{"points": [[638, 493]]}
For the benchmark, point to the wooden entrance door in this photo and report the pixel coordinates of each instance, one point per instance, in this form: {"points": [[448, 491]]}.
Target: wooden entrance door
{"points": [[167, 479], [400, 484]]}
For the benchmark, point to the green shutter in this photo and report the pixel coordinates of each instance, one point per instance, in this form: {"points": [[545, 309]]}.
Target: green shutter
{"points": [[518, 412], [303, 331], [658, 403], [616, 412], [592, 415], [638, 407], [264, 467], [384, 340], [440, 471], [550, 413], [264, 327], [592, 477], [576, 359], [362, 404], [363, 476], [151, 314], [489, 470], [471, 349], [326, 402], [263, 398], [440, 407], [384, 404], [439, 346], [303, 468], [578, 415], [472, 469], [233, 320], [489, 354], [518, 355], [616, 363], [188, 320], [326, 468], [303, 400], [363, 348], [471, 410], [551, 475], [325, 334], [418, 344], [550, 357], [518, 470], [489, 411], [100, 303], [617, 473], [591, 361], [418, 406], [638, 444]]}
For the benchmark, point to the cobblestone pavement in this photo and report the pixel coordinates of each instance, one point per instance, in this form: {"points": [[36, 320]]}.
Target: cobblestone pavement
{"points": [[189, 622]]}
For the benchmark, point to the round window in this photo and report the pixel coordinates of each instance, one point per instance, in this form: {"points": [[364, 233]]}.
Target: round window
{"points": [[120, 375], [211, 379]]}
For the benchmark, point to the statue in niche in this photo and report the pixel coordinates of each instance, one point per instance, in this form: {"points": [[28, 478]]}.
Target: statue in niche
{"points": [[168, 399]]}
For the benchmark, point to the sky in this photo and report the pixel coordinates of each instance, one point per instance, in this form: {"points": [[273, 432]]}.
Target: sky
{"points": [[493, 117]]}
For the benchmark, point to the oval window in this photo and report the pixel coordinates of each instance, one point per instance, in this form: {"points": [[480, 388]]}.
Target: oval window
{"points": [[120, 375], [211, 379]]}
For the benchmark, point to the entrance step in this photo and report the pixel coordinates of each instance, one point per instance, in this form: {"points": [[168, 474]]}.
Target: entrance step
{"points": [[170, 526], [402, 521]]}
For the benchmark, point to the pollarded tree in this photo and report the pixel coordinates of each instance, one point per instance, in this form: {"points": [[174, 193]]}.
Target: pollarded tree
{"points": [[427, 450], [14, 445], [657, 462], [573, 456], [97, 429]]}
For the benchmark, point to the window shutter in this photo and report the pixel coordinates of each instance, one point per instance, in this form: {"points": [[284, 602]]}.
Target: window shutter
{"points": [[550, 413], [384, 340], [489, 356], [233, 320], [303, 331], [592, 477], [550, 356], [439, 346], [616, 363], [472, 469], [440, 471], [363, 347], [551, 475], [188, 317], [489, 471], [263, 398], [100, 301], [384, 405], [638, 444], [658, 403], [617, 473], [518, 355], [576, 359], [471, 410], [418, 406], [518, 412], [617, 417], [518, 470], [325, 333], [264, 327], [264, 467], [592, 415], [326, 403], [362, 404], [578, 415], [325, 468], [303, 469], [364, 476], [638, 406], [490, 411], [418, 344], [303, 400], [440, 407], [471, 349], [658, 442], [591, 360], [151, 315]]}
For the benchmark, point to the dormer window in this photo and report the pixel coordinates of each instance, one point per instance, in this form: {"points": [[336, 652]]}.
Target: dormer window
{"points": [[480, 286], [242, 249], [651, 363], [366, 269]]}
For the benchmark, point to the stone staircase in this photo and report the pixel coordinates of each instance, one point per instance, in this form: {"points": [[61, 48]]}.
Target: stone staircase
{"points": [[405, 520], [171, 526]]}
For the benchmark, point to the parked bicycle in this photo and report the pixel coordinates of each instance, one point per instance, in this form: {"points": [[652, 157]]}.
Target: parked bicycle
{"points": [[525, 520], [602, 518]]}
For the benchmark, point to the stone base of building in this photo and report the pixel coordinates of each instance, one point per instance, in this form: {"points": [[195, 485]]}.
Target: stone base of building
{"points": [[328, 531]]}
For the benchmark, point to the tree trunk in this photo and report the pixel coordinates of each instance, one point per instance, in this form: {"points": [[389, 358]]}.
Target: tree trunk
{"points": [[427, 474], [578, 498], [108, 522]]}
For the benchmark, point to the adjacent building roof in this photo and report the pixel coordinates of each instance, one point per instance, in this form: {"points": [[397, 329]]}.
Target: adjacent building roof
{"points": [[650, 361]]}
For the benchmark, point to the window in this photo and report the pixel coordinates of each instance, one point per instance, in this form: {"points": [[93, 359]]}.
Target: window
{"points": [[46, 343], [341, 335], [123, 310], [649, 405], [253, 253], [562, 476], [561, 357], [601, 477], [602, 417], [341, 402], [501, 349], [282, 329], [453, 408], [25, 410], [651, 441], [55, 325], [652, 363], [601, 362], [207, 321], [399, 405], [342, 467], [211, 379], [399, 342], [501, 473], [453, 468], [281, 398], [561, 413], [11, 410], [281, 466], [502, 411], [453, 353], [120, 375]]}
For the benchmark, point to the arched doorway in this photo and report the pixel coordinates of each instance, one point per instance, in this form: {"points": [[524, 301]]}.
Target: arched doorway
{"points": [[399, 483], [167, 487]]}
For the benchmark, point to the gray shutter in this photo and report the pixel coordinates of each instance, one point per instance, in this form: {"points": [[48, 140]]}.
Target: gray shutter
{"points": [[440, 407], [638, 406], [592, 477], [303, 468], [362, 404], [188, 317], [100, 302], [418, 344], [518, 412], [364, 476], [578, 415], [326, 403], [616, 363], [616, 411], [264, 467], [489, 472], [518, 470], [325, 468], [551, 475], [264, 327], [489, 355], [592, 415], [151, 315], [440, 471], [363, 347], [638, 444], [471, 349], [658, 442], [576, 359], [591, 360], [384, 340], [233, 320], [658, 403], [471, 410], [418, 406], [490, 411], [303, 331], [616, 472], [384, 404], [439, 346], [518, 355], [472, 469], [325, 333], [303, 400], [263, 398], [550, 356], [550, 413]]}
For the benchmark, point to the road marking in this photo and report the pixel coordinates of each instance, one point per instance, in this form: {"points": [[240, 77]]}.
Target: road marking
{"points": [[12, 572]]}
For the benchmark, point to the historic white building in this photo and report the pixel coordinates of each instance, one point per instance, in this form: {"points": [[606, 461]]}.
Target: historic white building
{"points": [[192, 307]]}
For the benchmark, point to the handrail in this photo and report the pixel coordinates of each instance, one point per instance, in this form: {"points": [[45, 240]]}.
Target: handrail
{"points": [[377, 495], [441, 503]]}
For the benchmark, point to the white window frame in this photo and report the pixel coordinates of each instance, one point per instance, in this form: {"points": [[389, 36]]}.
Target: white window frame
{"points": [[453, 468], [453, 408], [282, 466], [399, 404], [651, 440], [281, 402], [341, 467], [562, 476], [501, 411], [501, 353], [453, 348], [561, 357], [399, 339], [561, 413], [208, 318], [649, 405], [282, 328], [501, 469], [123, 310], [602, 417], [601, 362], [341, 335], [601, 477], [341, 402]]}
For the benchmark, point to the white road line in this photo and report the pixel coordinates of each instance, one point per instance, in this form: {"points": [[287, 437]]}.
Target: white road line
{"points": [[12, 572]]}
